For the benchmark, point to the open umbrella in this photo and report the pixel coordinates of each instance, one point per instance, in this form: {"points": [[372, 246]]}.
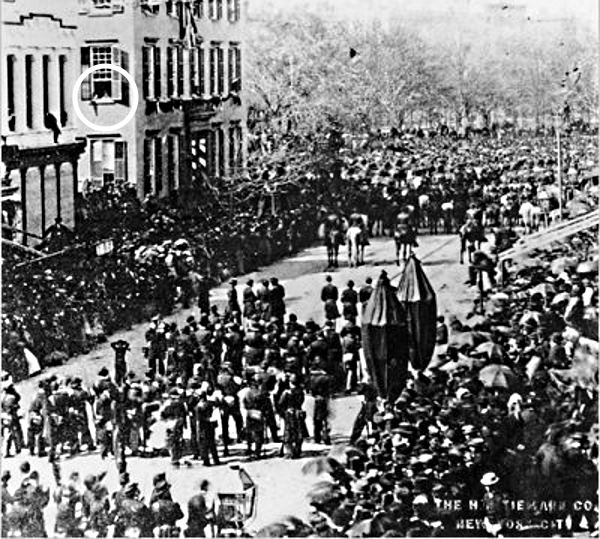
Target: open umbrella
{"points": [[418, 298], [589, 266], [560, 298], [493, 351], [543, 288], [498, 376], [385, 340], [323, 492], [477, 320], [558, 265], [462, 361]]}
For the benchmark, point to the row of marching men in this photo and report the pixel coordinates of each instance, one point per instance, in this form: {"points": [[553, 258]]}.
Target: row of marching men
{"points": [[87, 509], [158, 414]]}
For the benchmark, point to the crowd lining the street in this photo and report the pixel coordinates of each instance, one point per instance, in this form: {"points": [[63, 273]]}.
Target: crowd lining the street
{"points": [[454, 434]]}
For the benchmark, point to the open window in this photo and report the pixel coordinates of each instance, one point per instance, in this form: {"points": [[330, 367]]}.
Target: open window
{"points": [[105, 85]]}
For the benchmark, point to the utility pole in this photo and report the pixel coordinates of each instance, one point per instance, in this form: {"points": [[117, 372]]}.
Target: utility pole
{"points": [[559, 165]]}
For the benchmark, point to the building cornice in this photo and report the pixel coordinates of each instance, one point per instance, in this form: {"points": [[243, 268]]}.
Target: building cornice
{"points": [[32, 16]]}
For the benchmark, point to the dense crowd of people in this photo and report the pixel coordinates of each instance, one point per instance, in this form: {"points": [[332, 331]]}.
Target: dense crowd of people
{"points": [[505, 411], [63, 306]]}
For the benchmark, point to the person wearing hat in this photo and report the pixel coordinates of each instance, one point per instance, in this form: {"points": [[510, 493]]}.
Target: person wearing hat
{"points": [[290, 406], [262, 296], [329, 297], [79, 416], [277, 301], [494, 509], [201, 512], [321, 385], [35, 422], [203, 415], [68, 517], [121, 347], [174, 414], [232, 307], [365, 291], [349, 300], [133, 518], [165, 511], [249, 300]]}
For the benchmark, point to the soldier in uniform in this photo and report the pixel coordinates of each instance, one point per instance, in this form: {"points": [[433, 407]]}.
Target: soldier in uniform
{"points": [[329, 297], [133, 518], [30, 500], [205, 427], [120, 347], [58, 406], [175, 413], [35, 423], [249, 299], [255, 406], [230, 407], [201, 512], [290, 404], [165, 511], [134, 419], [321, 387], [104, 412], [276, 300], [79, 400], [349, 300], [11, 425]]}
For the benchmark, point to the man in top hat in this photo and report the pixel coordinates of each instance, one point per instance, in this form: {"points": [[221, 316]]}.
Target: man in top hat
{"points": [[349, 301], [321, 385], [290, 405], [365, 292], [249, 299], [276, 300], [201, 512], [165, 511], [329, 297], [120, 347], [175, 414], [233, 305]]}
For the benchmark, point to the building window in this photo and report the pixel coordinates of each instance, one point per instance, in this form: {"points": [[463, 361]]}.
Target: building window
{"points": [[173, 7], [62, 63], [221, 150], [235, 147], [158, 165], [109, 161], [221, 70], [235, 67], [102, 4], [212, 10], [148, 166], [150, 6], [213, 69], [10, 90], [105, 84], [174, 71], [46, 89], [233, 10], [151, 72], [199, 159], [180, 72], [29, 90], [173, 162], [198, 9]]}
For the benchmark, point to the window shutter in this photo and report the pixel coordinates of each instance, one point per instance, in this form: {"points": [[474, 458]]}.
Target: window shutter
{"points": [[116, 77], [213, 70], [221, 63], [158, 164], [121, 160], [147, 165], [124, 81], [231, 149], [238, 66], [219, 9], [193, 52], [146, 72], [237, 10], [97, 159], [157, 73], [180, 72], [86, 87], [231, 65], [221, 144], [170, 87], [201, 71]]}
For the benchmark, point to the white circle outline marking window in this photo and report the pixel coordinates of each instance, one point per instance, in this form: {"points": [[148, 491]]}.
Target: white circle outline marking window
{"points": [[135, 98]]}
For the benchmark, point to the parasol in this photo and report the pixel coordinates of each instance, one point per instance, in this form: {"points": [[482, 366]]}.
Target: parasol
{"points": [[462, 361], [543, 288], [499, 376], [562, 263], [385, 340], [493, 351], [589, 266], [418, 298], [323, 492]]}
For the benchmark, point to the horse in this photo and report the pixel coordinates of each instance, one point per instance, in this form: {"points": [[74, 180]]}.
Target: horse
{"points": [[472, 235], [356, 239], [447, 209], [405, 236], [331, 234]]}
